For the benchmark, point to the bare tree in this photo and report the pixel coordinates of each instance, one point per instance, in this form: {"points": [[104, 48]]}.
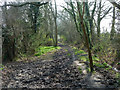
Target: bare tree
{"points": [[115, 4], [54, 12], [85, 35], [100, 16]]}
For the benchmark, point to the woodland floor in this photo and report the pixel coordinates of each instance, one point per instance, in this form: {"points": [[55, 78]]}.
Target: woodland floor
{"points": [[55, 70]]}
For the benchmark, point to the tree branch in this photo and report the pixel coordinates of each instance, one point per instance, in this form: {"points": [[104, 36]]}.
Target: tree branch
{"points": [[115, 4], [23, 4], [93, 11], [106, 13]]}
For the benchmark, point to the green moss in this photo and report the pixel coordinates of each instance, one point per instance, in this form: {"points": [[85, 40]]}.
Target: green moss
{"points": [[105, 64], [74, 48], [84, 58], [75, 42], [107, 68], [99, 65], [1, 67], [80, 52], [110, 67], [95, 58], [68, 54], [44, 49], [66, 50]]}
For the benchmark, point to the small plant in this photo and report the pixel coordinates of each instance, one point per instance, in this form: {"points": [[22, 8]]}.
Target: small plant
{"points": [[95, 58], [112, 72], [74, 48], [84, 58], [68, 54], [80, 52], [107, 68], [105, 64], [1, 67], [66, 50], [99, 65], [110, 67]]}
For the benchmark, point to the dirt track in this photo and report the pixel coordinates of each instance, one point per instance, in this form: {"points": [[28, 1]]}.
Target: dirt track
{"points": [[56, 73]]}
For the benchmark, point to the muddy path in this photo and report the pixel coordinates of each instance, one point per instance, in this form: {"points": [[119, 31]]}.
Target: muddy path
{"points": [[60, 71]]}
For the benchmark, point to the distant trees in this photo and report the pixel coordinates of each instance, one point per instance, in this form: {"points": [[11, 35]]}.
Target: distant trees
{"points": [[54, 13], [33, 15], [115, 32], [23, 25], [39, 23], [31, 25], [10, 31], [67, 29]]}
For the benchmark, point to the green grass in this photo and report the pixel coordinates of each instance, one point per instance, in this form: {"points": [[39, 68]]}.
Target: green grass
{"points": [[74, 48], [84, 58], [68, 54], [44, 49], [99, 65], [80, 52], [110, 67], [95, 58], [66, 50], [105, 64], [107, 69]]}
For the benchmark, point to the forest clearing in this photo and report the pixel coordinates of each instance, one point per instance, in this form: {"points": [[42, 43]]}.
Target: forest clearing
{"points": [[60, 44]]}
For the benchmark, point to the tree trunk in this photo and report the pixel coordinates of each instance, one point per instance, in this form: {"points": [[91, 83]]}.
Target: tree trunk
{"points": [[35, 23], [113, 25], [56, 33], [85, 35], [55, 19], [98, 29], [99, 20]]}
